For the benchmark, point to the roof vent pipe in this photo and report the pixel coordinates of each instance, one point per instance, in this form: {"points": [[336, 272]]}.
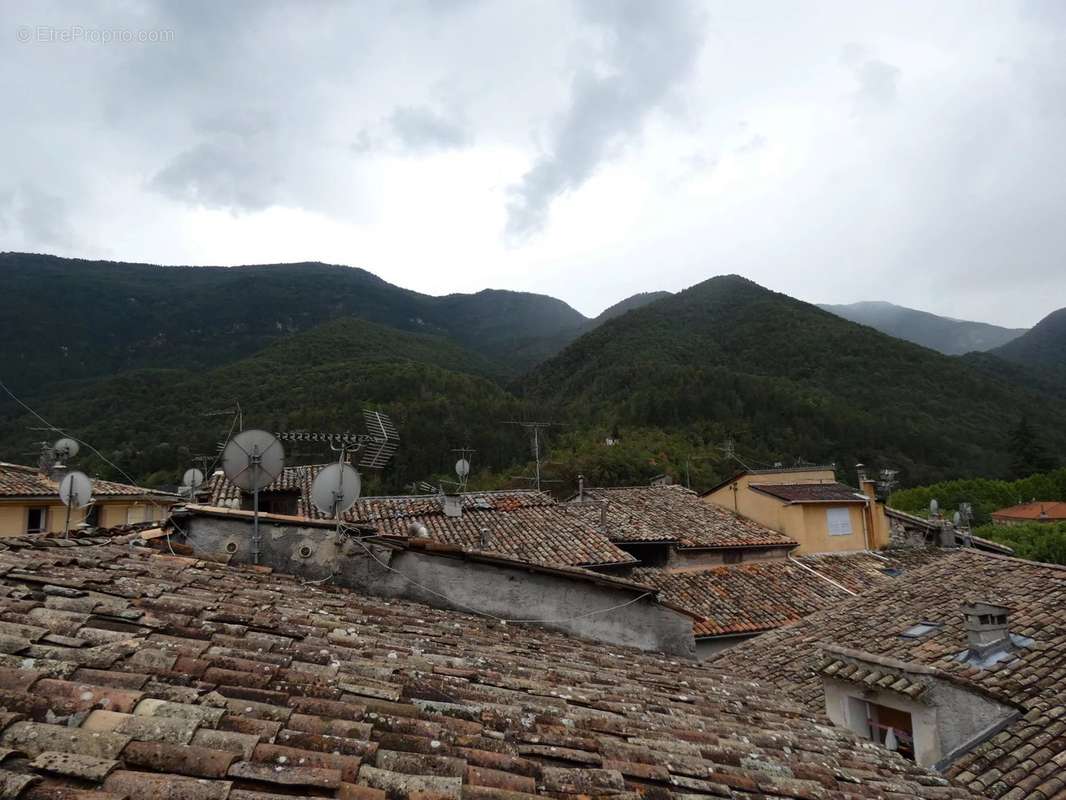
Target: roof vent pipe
{"points": [[580, 488], [486, 539]]}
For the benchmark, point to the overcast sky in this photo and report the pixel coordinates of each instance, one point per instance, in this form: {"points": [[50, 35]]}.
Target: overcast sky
{"points": [[835, 151]]}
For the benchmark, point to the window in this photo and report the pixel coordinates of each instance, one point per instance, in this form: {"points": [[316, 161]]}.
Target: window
{"points": [[838, 521], [890, 728], [36, 520]]}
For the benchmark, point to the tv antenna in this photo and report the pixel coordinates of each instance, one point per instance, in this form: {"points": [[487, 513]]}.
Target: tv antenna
{"points": [[76, 491], [377, 445], [462, 466], [65, 449], [192, 480], [252, 460], [534, 429], [335, 489]]}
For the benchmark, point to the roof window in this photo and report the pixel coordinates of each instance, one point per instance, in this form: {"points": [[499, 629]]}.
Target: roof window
{"points": [[918, 630]]}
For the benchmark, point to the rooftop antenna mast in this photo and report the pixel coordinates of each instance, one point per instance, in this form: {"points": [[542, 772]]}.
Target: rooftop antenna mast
{"points": [[76, 491], [377, 445], [252, 460], [729, 450], [462, 466], [534, 429]]}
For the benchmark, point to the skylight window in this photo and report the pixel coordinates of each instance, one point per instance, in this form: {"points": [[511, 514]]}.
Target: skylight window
{"points": [[920, 630]]}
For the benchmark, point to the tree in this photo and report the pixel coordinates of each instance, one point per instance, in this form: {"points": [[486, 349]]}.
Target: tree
{"points": [[1029, 455]]}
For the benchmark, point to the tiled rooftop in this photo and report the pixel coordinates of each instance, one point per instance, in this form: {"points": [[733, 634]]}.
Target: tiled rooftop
{"points": [[762, 595], [131, 673], [17, 480], [523, 524], [673, 514], [811, 492], [1023, 761], [1033, 512]]}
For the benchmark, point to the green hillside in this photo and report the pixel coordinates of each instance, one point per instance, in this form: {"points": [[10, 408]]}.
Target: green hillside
{"points": [[943, 334], [153, 422], [787, 380], [1043, 347], [68, 318]]}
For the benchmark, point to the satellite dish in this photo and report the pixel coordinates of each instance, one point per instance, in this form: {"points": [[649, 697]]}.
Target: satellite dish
{"points": [[192, 478], [253, 459], [75, 490], [336, 489], [462, 467], [957, 518], [65, 449]]}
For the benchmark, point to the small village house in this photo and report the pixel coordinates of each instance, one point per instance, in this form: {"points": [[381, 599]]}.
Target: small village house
{"points": [[29, 503], [808, 505]]}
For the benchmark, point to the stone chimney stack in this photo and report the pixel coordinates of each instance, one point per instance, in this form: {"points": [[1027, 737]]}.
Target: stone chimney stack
{"points": [[987, 626]]}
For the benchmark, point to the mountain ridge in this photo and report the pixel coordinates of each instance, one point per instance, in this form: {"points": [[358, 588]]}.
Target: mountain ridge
{"points": [[944, 334]]}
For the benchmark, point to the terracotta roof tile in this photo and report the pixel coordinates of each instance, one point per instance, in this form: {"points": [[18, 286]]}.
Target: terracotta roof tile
{"points": [[383, 698], [525, 525], [757, 596], [1035, 678], [21, 481], [672, 514], [1033, 512], [811, 492]]}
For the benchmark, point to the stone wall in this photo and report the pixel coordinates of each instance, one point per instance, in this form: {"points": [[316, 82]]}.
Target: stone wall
{"points": [[513, 592]]}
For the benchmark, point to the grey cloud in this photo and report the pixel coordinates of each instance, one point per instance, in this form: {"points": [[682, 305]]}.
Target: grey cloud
{"points": [[420, 128], [228, 171], [37, 216], [650, 49], [878, 81], [414, 129]]}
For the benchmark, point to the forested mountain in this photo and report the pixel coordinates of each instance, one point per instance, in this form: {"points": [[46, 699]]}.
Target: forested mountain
{"points": [[153, 421], [1042, 346], [943, 334], [622, 306], [146, 363], [728, 358], [70, 318]]}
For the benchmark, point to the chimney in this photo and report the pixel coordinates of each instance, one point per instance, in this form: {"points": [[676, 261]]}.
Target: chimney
{"points": [[603, 517], [453, 505], [486, 539], [861, 469], [987, 627], [580, 488]]}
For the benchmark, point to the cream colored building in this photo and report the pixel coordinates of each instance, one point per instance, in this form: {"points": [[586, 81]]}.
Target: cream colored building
{"points": [[29, 503], [808, 505]]}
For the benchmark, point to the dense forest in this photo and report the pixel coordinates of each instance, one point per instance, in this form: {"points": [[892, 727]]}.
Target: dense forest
{"points": [[983, 494], [152, 365]]}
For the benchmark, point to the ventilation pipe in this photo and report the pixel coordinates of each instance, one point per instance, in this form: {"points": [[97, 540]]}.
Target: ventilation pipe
{"points": [[486, 539]]}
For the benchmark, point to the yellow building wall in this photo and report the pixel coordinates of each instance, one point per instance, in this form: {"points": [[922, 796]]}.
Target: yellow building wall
{"points": [[13, 516], [805, 523], [816, 535]]}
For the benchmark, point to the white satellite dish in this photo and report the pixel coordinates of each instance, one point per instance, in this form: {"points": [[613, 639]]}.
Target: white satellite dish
{"points": [[75, 490], [335, 489], [65, 449], [462, 467], [192, 478], [253, 459]]}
